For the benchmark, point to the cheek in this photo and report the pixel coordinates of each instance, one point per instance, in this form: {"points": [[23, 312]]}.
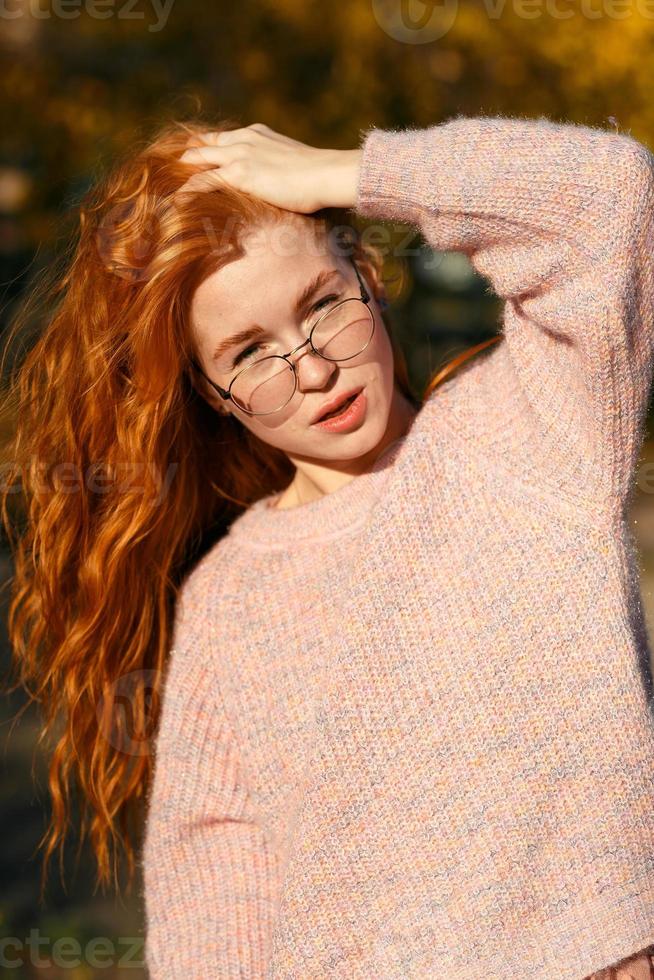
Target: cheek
{"points": [[382, 337], [381, 350], [272, 429]]}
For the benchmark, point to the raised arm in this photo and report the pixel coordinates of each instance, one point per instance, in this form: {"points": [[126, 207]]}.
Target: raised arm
{"points": [[559, 218], [209, 875]]}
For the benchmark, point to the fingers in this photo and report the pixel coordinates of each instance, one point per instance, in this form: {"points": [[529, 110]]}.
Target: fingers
{"points": [[205, 181], [209, 146], [213, 139], [209, 155], [228, 151], [243, 134]]}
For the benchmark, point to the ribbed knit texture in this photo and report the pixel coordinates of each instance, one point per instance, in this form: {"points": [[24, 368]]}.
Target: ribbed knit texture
{"points": [[407, 730]]}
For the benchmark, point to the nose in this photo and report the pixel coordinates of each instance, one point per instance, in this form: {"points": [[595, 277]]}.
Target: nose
{"points": [[313, 371]]}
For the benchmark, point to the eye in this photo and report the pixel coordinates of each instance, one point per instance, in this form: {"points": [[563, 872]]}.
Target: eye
{"points": [[247, 352], [242, 355], [326, 299]]}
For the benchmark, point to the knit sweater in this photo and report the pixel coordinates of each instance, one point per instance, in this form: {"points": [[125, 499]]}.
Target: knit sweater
{"points": [[407, 728]]}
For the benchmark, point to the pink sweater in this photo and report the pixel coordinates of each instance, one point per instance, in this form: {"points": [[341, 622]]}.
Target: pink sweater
{"points": [[407, 728]]}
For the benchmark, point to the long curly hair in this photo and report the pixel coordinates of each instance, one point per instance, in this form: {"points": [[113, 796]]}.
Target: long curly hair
{"points": [[120, 475]]}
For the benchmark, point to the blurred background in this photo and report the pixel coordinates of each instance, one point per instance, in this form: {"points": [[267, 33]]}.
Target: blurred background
{"points": [[81, 80]]}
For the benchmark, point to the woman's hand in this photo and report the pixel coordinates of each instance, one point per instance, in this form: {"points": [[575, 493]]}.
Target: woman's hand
{"points": [[276, 168]]}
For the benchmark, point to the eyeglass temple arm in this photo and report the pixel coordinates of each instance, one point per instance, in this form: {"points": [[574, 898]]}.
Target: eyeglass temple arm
{"points": [[365, 295], [224, 394]]}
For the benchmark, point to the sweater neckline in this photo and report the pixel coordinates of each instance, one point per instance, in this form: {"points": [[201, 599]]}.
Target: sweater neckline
{"points": [[263, 526]]}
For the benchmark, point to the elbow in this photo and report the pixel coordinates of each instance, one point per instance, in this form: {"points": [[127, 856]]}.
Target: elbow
{"points": [[622, 235], [634, 189]]}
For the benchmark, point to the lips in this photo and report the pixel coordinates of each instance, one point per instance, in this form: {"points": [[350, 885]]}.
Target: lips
{"points": [[336, 403]]}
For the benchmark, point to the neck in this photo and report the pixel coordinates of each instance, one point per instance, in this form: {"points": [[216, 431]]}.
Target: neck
{"points": [[307, 484]]}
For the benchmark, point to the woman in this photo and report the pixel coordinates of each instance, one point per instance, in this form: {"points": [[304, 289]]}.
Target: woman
{"points": [[405, 727]]}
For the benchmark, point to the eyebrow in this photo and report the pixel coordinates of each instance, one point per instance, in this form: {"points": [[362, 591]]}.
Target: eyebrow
{"points": [[255, 330]]}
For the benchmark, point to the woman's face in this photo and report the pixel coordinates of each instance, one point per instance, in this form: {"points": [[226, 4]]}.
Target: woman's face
{"points": [[262, 287]]}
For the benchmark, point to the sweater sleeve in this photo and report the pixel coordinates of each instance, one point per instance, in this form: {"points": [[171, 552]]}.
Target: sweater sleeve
{"points": [[558, 217], [209, 874]]}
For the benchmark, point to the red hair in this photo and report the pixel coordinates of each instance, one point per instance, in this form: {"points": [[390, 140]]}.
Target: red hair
{"points": [[106, 397]]}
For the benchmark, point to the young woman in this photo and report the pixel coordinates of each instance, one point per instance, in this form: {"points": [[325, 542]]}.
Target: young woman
{"points": [[406, 723]]}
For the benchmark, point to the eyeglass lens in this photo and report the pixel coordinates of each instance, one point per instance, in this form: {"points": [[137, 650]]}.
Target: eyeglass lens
{"points": [[268, 385]]}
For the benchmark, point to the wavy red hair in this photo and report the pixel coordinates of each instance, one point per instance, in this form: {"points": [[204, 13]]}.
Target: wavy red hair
{"points": [[105, 397]]}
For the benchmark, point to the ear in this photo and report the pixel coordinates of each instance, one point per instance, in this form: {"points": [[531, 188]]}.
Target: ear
{"points": [[379, 291], [374, 281], [206, 392], [217, 404]]}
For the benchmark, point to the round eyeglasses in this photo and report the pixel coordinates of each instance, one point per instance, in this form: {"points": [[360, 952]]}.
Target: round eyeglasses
{"points": [[340, 333]]}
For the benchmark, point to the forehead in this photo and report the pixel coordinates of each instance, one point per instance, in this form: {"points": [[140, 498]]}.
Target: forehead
{"points": [[277, 264]]}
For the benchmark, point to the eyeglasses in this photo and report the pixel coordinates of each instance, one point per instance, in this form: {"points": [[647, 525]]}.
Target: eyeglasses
{"points": [[340, 333]]}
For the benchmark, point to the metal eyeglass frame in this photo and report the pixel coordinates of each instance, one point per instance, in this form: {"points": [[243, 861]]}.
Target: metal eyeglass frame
{"points": [[225, 393]]}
